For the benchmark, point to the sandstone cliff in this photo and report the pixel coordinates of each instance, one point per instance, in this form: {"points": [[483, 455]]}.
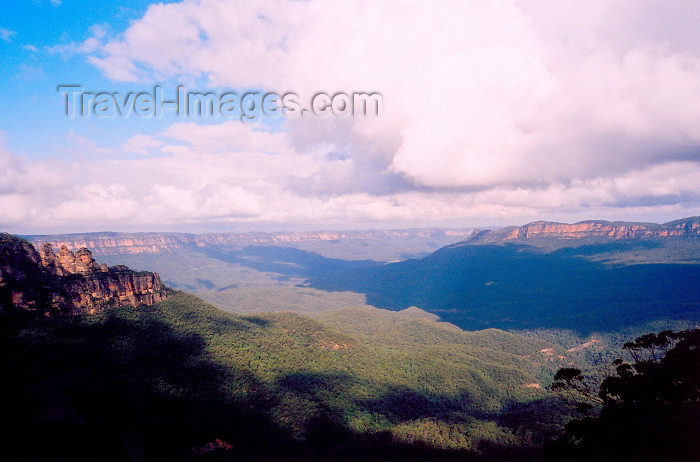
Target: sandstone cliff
{"points": [[587, 230], [150, 243], [67, 282]]}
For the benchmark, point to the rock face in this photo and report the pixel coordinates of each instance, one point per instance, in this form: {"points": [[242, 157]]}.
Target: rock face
{"points": [[68, 283], [66, 262], [150, 243], [592, 230]]}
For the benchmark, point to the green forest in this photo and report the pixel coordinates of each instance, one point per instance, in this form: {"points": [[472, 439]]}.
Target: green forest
{"points": [[182, 380]]}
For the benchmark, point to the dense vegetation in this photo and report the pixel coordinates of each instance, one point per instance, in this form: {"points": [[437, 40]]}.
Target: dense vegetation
{"points": [[290, 299], [221, 268], [521, 287], [649, 410], [182, 380], [553, 284], [165, 382]]}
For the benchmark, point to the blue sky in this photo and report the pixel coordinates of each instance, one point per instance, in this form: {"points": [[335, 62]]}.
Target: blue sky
{"points": [[496, 112], [35, 66]]}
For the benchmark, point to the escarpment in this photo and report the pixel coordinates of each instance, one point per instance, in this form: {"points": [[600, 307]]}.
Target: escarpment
{"points": [[592, 229], [68, 283]]}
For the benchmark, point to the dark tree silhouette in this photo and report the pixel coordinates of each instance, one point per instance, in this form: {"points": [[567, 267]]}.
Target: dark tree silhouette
{"points": [[649, 410]]}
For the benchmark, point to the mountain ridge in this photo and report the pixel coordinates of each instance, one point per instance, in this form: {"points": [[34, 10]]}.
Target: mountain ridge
{"points": [[587, 229], [113, 243]]}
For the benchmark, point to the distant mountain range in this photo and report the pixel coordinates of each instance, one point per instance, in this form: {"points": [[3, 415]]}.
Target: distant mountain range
{"points": [[591, 275], [347, 244], [179, 379], [538, 231], [381, 245]]}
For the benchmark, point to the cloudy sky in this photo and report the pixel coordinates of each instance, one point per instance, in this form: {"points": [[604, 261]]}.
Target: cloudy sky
{"points": [[495, 112]]}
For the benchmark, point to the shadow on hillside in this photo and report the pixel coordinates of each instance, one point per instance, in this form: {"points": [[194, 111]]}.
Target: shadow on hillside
{"points": [[608, 247], [130, 387], [126, 388], [325, 429], [518, 287], [401, 404]]}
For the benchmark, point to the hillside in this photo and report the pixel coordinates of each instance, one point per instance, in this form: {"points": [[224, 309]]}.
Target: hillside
{"points": [[544, 233], [316, 271], [588, 276], [126, 376], [163, 382], [512, 286], [132, 378]]}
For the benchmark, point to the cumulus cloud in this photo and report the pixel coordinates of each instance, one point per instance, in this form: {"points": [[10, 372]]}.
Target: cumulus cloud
{"points": [[530, 108], [202, 185], [98, 34], [480, 93]]}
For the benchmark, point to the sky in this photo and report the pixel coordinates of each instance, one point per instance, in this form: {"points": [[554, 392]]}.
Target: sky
{"points": [[495, 112]]}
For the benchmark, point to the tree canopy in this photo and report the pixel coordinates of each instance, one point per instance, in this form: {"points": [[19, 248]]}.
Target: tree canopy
{"points": [[649, 410]]}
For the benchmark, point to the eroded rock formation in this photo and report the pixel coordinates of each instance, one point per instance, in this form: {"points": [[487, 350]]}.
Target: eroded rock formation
{"points": [[67, 282]]}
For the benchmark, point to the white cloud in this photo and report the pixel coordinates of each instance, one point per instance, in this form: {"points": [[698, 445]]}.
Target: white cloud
{"points": [[230, 136], [480, 93], [142, 144], [7, 35], [201, 184], [94, 43], [531, 108]]}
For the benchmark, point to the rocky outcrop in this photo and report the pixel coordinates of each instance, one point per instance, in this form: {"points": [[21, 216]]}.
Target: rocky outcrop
{"points": [[595, 230], [67, 282], [67, 262]]}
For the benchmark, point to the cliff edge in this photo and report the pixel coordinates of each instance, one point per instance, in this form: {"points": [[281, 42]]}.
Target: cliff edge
{"points": [[68, 283], [597, 230]]}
